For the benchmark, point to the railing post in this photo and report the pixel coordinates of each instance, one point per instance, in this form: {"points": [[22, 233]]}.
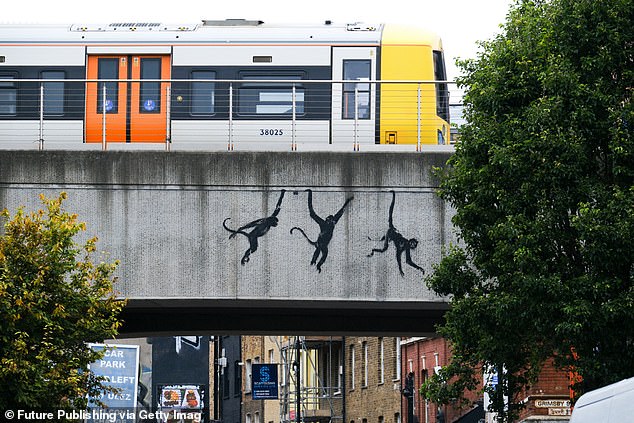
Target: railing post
{"points": [[41, 143], [168, 118], [418, 146], [104, 145], [356, 118], [293, 143], [230, 145]]}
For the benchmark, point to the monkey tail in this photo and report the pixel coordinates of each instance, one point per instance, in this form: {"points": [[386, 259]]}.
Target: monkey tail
{"points": [[391, 219], [313, 243], [233, 231]]}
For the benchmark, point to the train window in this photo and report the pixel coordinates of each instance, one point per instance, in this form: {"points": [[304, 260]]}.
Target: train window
{"points": [[356, 70], [8, 95], [203, 96], [442, 93], [108, 69], [53, 93], [269, 97], [150, 99]]}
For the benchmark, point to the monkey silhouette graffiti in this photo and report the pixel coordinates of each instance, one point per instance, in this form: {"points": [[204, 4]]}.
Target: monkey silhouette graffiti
{"points": [[260, 227], [326, 229], [402, 244]]}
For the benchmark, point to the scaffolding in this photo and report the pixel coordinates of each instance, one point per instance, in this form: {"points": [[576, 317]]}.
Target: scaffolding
{"points": [[319, 361]]}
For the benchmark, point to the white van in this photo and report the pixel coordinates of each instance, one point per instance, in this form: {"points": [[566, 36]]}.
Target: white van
{"points": [[610, 404]]}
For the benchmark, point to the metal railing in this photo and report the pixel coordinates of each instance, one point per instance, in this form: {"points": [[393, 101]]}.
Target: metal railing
{"points": [[259, 112]]}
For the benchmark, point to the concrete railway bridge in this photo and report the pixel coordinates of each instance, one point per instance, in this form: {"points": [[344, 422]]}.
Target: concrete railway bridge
{"points": [[222, 242]]}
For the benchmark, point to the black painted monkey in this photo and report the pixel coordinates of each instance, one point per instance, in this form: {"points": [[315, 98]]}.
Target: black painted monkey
{"points": [[260, 228], [326, 229], [402, 244]]}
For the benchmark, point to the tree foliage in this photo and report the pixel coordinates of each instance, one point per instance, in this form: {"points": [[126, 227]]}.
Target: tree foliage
{"points": [[53, 300], [542, 184]]}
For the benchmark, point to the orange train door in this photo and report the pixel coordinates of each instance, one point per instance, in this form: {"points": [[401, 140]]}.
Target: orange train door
{"points": [[135, 111]]}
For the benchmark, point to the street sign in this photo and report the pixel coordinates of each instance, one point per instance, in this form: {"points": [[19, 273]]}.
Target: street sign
{"points": [[119, 367]]}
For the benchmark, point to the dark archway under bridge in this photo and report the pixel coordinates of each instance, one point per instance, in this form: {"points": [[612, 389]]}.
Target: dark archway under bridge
{"points": [[182, 317], [183, 226]]}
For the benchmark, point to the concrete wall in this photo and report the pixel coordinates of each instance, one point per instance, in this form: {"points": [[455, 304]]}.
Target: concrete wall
{"points": [[161, 214]]}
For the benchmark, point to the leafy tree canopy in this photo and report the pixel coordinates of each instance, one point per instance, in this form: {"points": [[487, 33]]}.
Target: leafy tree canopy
{"points": [[542, 183], [53, 300]]}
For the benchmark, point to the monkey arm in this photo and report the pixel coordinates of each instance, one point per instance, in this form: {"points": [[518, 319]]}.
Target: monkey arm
{"points": [[278, 206], [340, 212], [311, 210]]}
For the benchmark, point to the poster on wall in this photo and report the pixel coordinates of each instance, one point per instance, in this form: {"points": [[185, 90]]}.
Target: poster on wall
{"points": [[181, 403], [120, 368]]}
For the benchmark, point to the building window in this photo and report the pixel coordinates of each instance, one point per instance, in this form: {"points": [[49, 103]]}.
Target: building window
{"points": [[270, 98], [364, 347], [248, 418], [8, 95], [352, 368], [356, 70], [397, 359], [397, 417], [53, 93], [339, 370], [256, 417], [381, 363], [249, 374], [203, 93]]}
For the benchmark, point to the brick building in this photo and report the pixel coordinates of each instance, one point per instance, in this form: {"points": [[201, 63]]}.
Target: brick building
{"points": [[546, 402], [421, 357], [360, 380], [373, 380]]}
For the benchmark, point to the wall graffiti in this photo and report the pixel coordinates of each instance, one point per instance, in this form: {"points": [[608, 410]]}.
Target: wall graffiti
{"points": [[402, 244], [326, 229], [260, 228], [192, 341]]}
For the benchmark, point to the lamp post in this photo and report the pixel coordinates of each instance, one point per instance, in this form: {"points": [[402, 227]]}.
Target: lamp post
{"points": [[408, 393]]}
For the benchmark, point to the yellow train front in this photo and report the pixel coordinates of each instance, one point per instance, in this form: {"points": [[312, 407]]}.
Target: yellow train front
{"points": [[216, 83]]}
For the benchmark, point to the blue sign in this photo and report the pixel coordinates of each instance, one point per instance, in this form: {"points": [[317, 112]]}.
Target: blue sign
{"points": [[109, 105], [149, 105], [264, 381], [119, 367]]}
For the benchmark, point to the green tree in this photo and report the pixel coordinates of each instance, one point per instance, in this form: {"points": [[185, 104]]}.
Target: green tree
{"points": [[53, 300], [542, 184]]}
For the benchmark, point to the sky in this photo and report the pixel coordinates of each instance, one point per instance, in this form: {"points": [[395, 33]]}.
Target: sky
{"points": [[460, 23]]}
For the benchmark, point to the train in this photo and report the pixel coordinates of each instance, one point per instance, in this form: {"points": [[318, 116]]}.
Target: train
{"points": [[222, 83]]}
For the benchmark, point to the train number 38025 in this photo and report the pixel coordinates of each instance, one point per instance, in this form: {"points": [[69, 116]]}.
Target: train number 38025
{"points": [[272, 132]]}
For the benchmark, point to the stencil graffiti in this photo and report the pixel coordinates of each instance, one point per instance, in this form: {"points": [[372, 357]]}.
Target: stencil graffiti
{"points": [[260, 227], [326, 229], [402, 244]]}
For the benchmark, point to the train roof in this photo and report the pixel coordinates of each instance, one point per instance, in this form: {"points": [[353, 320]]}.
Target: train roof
{"points": [[230, 31]]}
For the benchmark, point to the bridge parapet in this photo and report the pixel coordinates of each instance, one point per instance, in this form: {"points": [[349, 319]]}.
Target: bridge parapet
{"points": [[217, 241]]}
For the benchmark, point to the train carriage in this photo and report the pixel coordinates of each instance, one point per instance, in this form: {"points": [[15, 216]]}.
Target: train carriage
{"points": [[220, 83]]}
